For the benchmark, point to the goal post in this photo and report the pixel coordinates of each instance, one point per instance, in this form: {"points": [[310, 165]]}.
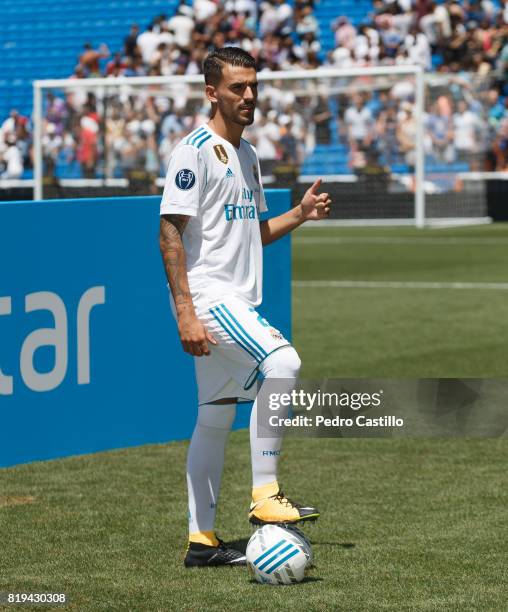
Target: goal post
{"points": [[342, 124]]}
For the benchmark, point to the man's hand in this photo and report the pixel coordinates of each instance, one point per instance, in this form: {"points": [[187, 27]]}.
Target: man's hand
{"points": [[194, 336], [314, 206]]}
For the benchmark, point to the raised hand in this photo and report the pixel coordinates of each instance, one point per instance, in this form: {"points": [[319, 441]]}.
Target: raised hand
{"points": [[315, 206]]}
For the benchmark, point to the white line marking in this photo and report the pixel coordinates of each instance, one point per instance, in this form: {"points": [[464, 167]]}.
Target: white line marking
{"points": [[416, 241], [348, 284], [431, 222]]}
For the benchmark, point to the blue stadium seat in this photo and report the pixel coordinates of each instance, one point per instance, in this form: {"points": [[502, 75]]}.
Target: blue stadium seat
{"points": [[439, 167], [400, 168], [327, 11], [44, 41]]}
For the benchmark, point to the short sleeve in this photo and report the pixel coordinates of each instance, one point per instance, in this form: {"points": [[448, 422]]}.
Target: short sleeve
{"points": [[262, 199], [184, 180]]}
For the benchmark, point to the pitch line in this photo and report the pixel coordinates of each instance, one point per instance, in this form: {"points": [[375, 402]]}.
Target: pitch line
{"points": [[437, 241], [348, 284]]}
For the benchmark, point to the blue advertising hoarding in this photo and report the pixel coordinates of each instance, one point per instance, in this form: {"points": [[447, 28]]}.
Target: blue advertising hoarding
{"points": [[89, 354]]}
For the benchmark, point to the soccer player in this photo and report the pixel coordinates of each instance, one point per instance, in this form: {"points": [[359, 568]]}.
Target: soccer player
{"points": [[211, 243]]}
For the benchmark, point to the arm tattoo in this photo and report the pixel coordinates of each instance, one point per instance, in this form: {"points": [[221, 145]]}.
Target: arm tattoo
{"points": [[173, 256]]}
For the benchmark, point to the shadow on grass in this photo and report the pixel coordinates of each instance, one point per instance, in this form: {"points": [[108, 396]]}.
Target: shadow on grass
{"points": [[240, 544], [306, 580], [341, 544]]}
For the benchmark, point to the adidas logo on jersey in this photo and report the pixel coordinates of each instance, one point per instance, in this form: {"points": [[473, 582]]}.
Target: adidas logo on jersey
{"points": [[229, 173]]}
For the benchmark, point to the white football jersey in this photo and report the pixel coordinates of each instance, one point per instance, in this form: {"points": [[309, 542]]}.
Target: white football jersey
{"points": [[219, 187]]}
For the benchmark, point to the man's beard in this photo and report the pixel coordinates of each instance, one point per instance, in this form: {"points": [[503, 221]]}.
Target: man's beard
{"points": [[236, 117], [247, 121]]}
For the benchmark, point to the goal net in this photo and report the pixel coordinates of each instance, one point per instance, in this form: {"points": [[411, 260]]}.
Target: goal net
{"points": [[461, 133], [365, 131]]}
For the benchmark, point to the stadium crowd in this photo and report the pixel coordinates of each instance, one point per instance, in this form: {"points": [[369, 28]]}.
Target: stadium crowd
{"points": [[465, 44]]}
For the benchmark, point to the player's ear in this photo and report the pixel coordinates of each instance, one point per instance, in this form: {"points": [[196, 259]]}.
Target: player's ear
{"points": [[210, 93]]}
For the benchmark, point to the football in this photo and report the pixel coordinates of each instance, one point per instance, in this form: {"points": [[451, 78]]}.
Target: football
{"points": [[278, 555], [304, 542]]}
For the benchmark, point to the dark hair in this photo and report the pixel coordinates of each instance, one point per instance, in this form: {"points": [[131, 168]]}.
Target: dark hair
{"points": [[214, 62]]}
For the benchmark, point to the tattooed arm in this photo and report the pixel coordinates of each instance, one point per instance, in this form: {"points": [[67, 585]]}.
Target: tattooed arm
{"points": [[193, 335]]}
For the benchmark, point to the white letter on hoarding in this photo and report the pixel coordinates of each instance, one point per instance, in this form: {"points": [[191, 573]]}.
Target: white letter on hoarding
{"points": [[6, 384], [46, 336], [92, 297]]}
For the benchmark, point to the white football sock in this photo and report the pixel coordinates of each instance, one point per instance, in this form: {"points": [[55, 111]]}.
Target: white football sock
{"points": [[282, 364], [205, 461]]}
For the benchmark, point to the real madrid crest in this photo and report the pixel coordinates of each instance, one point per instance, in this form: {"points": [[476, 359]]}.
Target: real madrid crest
{"points": [[221, 153]]}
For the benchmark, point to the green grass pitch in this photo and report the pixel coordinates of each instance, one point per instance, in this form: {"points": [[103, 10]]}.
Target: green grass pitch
{"points": [[406, 524]]}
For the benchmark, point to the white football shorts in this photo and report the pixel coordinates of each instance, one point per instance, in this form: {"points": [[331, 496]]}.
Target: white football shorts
{"points": [[244, 340]]}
